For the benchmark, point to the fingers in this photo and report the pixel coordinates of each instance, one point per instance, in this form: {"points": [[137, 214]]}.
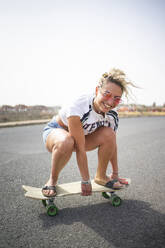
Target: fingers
{"points": [[86, 189]]}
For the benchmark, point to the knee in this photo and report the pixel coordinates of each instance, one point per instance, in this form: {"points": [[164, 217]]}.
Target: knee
{"points": [[65, 145], [108, 136]]}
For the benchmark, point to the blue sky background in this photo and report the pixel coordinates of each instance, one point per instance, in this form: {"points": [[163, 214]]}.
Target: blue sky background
{"points": [[51, 51]]}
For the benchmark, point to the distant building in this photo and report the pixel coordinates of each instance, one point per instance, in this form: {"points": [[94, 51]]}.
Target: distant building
{"points": [[21, 108], [7, 108]]}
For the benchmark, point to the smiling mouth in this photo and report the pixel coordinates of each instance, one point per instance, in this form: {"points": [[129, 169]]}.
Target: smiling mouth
{"points": [[107, 106]]}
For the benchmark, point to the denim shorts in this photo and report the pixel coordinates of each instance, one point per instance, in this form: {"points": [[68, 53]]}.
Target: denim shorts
{"points": [[50, 127]]}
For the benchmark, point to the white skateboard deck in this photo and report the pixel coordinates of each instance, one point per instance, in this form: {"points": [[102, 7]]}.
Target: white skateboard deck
{"points": [[67, 189]]}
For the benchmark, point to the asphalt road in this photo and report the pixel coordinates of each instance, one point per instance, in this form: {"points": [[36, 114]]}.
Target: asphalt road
{"points": [[84, 221]]}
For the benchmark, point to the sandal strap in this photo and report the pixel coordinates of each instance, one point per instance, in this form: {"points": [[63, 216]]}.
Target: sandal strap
{"points": [[111, 183], [49, 188]]}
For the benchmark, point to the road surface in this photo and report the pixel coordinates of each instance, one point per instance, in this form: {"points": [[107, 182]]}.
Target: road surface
{"points": [[85, 221]]}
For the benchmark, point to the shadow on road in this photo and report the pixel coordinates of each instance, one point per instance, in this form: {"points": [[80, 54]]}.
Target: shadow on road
{"points": [[134, 224]]}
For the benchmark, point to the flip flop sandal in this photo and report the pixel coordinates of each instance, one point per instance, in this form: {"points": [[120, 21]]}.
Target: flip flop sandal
{"points": [[49, 188], [111, 183]]}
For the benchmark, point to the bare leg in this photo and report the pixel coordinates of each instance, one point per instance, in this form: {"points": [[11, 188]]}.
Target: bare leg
{"points": [[114, 164], [114, 161], [105, 140], [61, 145]]}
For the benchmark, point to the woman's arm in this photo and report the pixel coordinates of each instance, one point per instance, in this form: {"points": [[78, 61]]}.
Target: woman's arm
{"points": [[76, 131]]}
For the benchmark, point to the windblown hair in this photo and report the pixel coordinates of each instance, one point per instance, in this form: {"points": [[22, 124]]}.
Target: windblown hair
{"points": [[119, 78]]}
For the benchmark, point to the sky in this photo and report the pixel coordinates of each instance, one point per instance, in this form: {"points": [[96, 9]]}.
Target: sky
{"points": [[54, 50]]}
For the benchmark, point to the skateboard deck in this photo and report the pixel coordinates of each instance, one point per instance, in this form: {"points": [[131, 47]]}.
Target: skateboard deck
{"points": [[66, 189], [71, 189]]}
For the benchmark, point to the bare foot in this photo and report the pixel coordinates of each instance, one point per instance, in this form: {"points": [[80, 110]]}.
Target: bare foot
{"points": [[121, 180], [103, 182]]}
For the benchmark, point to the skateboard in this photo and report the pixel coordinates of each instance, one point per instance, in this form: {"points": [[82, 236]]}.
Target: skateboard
{"points": [[71, 189]]}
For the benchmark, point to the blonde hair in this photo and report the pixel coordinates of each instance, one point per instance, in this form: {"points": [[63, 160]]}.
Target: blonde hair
{"points": [[119, 78]]}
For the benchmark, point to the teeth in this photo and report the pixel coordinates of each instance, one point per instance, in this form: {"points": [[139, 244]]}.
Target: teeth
{"points": [[107, 106]]}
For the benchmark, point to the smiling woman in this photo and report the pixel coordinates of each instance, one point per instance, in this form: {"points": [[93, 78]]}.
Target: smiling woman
{"points": [[89, 123]]}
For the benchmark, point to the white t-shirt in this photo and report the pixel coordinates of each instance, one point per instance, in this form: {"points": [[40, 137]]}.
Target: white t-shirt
{"points": [[83, 107]]}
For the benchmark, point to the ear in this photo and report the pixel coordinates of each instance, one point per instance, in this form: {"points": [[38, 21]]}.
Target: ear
{"points": [[96, 90]]}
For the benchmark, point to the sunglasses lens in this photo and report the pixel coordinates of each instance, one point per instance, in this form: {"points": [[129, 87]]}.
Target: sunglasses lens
{"points": [[108, 96], [118, 101]]}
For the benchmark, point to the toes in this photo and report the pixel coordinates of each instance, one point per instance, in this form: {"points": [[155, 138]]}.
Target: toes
{"points": [[46, 192], [118, 185], [123, 181]]}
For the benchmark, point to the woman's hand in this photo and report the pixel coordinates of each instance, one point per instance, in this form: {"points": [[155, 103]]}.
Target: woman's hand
{"points": [[86, 189]]}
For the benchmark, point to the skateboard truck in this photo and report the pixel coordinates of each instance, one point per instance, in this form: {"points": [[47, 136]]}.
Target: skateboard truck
{"points": [[115, 199], [51, 208]]}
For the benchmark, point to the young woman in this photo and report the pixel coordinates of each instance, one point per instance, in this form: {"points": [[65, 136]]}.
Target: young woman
{"points": [[88, 123]]}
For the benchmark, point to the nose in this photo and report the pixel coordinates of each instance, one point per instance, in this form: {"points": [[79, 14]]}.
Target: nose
{"points": [[110, 100]]}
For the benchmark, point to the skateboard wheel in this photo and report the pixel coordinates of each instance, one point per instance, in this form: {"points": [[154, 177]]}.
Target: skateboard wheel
{"points": [[105, 195], [116, 200], [52, 210]]}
